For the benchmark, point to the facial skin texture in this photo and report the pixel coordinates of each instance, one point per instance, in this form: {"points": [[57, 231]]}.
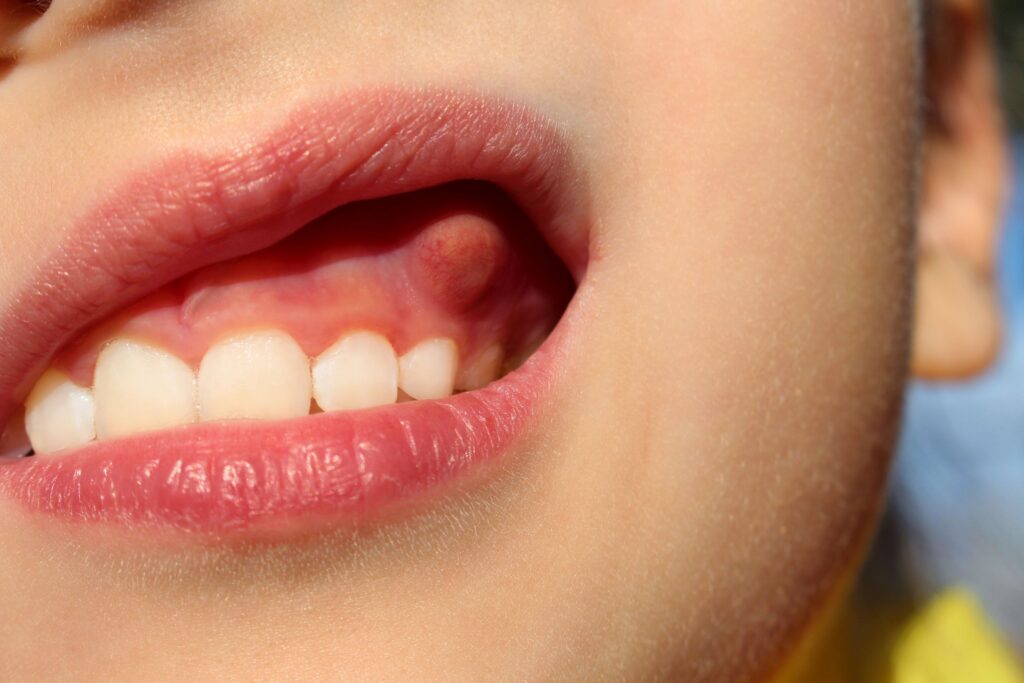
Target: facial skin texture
{"points": [[724, 422]]}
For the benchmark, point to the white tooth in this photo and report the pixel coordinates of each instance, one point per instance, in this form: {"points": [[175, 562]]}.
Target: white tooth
{"points": [[482, 370], [427, 370], [359, 371], [259, 375], [140, 388], [59, 414]]}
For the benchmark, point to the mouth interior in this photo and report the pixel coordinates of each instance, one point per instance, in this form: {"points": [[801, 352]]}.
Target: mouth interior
{"points": [[410, 297]]}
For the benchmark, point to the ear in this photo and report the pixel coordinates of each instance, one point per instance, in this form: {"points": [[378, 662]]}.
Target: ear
{"points": [[964, 178]]}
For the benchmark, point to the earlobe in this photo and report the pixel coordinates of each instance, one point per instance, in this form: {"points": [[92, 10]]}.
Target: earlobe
{"points": [[957, 326]]}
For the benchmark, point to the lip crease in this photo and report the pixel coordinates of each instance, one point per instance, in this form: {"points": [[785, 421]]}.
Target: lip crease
{"points": [[194, 209]]}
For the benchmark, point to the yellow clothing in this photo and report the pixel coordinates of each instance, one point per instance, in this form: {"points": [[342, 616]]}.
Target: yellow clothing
{"points": [[948, 641], [951, 641]]}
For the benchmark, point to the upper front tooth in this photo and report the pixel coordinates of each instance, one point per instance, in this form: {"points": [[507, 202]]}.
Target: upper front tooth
{"points": [[427, 370], [359, 371], [139, 388], [263, 375], [59, 414]]}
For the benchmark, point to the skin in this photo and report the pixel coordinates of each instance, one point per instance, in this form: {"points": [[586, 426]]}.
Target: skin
{"points": [[717, 460]]}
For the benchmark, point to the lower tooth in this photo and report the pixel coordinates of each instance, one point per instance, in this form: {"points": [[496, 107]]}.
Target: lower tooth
{"points": [[427, 370], [359, 371], [140, 388], [59, 414], [260, 375]]}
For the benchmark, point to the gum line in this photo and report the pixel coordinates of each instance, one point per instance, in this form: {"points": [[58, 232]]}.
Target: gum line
{"points": [[458, 261]]}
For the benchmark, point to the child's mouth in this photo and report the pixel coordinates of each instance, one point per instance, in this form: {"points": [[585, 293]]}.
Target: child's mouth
{"points": [[317, 323], [414, 295]]}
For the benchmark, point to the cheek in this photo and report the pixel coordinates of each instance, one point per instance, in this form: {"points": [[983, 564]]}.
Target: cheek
{"points": [[754, 296]]}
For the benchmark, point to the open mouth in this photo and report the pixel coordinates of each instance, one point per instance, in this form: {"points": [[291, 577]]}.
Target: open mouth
{"points": [[347, 311]]}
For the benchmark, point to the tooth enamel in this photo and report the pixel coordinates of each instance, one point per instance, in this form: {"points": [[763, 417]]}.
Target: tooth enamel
{"points": [[140, 388], [482, 370], [359, 371], [59, 414], [427, 370], [259, 375]]}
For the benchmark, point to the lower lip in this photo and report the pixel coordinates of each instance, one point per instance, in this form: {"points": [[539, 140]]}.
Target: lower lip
{"points": [[340, 467]]}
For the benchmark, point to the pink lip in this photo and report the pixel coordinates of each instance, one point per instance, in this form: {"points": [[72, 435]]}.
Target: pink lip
{"points": [[194, 209], [233, 476]]}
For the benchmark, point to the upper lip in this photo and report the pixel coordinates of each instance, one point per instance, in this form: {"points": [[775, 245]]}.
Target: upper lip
{"points": [[195, 208]]}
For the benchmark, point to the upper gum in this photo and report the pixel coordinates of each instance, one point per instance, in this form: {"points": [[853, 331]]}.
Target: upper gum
{"points": [[408, 293], [188, 316]]}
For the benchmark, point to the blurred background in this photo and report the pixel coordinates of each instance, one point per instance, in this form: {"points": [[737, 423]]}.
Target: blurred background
{"points": [[956, 511]]}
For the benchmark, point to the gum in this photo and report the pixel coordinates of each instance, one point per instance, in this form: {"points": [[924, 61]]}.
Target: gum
{"points": [[459, 261]]}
